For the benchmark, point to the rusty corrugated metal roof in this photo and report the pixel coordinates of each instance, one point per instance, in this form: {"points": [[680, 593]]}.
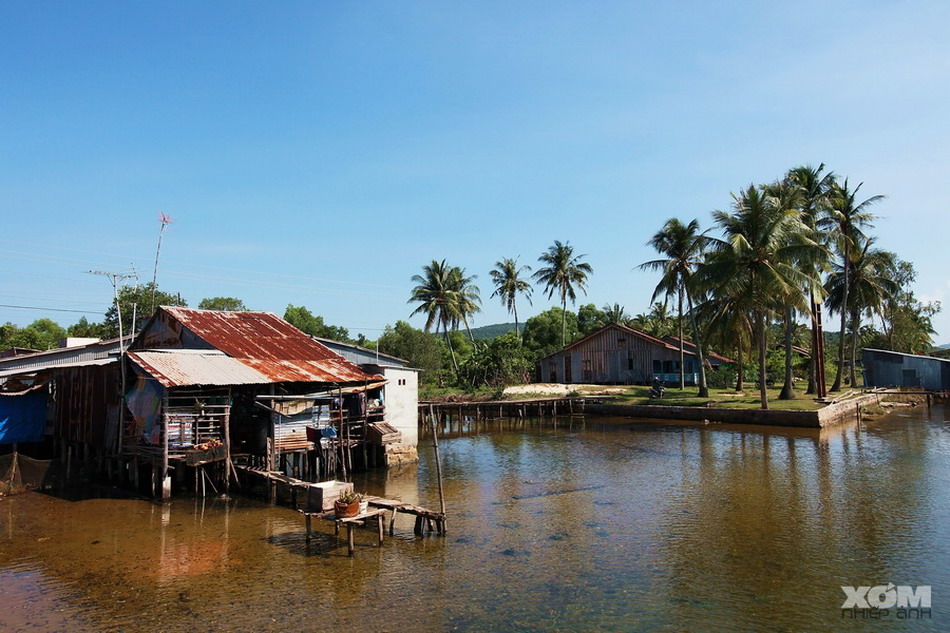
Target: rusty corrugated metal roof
{"points": [[270, 345], [180, 368]]}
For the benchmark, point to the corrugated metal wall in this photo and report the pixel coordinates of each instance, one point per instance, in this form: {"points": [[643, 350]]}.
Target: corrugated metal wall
{"points": [[883, 368]]}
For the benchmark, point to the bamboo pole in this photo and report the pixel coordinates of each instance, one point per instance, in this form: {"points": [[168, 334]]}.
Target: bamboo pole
{"points": [[438, 466]]}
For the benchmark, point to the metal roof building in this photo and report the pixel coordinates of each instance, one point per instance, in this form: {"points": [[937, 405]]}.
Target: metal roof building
{"points": [[273, 349], [884, 368]]}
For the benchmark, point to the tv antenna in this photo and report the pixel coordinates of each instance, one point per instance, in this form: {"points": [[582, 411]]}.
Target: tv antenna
{"points": [[164, 219]]}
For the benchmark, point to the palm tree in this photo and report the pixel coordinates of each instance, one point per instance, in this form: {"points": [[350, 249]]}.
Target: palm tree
{"points": [[467, 299], [683, 246], [656, 322], [764, 239], [787, 195], [814, 188], [615, 314], [870, 283], [436, 292], [508, 284], [728, 323], [845, 218], [563, 271]]}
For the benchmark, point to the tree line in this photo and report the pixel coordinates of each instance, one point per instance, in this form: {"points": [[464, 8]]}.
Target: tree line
{"points": [[784, 250]]}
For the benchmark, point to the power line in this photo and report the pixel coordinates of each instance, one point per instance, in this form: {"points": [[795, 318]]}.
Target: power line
{"points": [[4, 305]]}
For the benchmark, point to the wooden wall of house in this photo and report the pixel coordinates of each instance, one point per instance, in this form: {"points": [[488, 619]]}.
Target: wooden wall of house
{"points": [[84, 405], [612, 356]]}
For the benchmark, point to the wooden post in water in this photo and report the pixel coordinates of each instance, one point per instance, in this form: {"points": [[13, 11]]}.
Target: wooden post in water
{"points": [[438, 469], [166, 482]]}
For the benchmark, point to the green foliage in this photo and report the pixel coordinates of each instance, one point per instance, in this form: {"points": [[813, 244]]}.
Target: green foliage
{"points": [[136, 301], [508, 284], [305, 321], [564, 273], [542, 333], [590, 319], [907, 323], [84, 329], [658, 322], [722, 378], [501, 361], [41, 334], [487, 332], [447, 297], [420, 349], [225, 304]]}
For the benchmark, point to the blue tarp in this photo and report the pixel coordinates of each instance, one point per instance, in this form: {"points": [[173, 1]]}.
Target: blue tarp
{"points": [[23, 418]]}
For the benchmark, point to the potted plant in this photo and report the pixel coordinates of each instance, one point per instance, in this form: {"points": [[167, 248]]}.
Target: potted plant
{"points": [[347, 504]]}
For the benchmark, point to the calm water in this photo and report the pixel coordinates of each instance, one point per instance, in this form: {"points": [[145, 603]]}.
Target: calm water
{"points": [[610, 526]]}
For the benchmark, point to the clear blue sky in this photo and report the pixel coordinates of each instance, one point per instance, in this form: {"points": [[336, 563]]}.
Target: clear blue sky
{"points": [[319, 153]]}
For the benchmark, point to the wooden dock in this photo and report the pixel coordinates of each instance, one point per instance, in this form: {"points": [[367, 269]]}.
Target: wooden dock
{"points": [[281, 487], [496, 409]]}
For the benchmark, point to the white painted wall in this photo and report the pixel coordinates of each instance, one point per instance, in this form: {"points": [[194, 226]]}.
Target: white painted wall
{"points": [[402, 401]]}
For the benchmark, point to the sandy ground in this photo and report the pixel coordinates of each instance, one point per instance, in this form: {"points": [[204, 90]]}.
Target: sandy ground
{"points": [[554, 389]]}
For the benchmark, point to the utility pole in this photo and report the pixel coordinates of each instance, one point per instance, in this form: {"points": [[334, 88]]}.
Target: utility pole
{"points": [[115, 278]]}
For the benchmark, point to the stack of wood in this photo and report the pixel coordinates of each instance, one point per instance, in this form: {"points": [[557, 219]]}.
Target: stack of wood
{"points": [[382, 433]]}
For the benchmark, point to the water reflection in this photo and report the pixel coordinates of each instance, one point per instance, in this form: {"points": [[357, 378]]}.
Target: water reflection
{"points": [[599, 525]]}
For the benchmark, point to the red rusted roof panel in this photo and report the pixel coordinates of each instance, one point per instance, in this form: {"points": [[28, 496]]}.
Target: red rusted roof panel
{"points": [[270, 345]]}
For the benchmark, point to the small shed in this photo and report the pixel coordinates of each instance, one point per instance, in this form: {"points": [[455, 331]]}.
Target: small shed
{"points": [[884, 368]]}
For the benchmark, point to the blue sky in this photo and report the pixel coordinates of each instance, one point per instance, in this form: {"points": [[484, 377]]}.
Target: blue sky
{"points": [[319, 153]]}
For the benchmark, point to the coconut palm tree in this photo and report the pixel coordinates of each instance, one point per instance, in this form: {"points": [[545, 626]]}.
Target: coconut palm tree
{"points": [[727, 323], [870, 283], [467, 299], [564, 273], [756, 260], [615, 314], [787, 195], [846, 218], [683, 246], [437, 294], [657, 322], [506, 276], [814, 186]]}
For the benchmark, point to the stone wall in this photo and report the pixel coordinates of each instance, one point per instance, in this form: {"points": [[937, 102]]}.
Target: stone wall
{"points": [[827, 416]]}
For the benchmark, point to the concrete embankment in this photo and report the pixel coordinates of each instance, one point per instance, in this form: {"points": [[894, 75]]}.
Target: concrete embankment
{"points": [[845, 411]]}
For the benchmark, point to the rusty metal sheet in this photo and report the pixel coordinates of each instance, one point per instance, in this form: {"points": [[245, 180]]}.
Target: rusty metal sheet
{"points": [[264, 342], [180, 368]]}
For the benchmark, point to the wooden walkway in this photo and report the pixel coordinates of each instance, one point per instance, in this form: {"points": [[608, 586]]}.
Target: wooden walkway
{"points": [[425, 520], [494, 409]]}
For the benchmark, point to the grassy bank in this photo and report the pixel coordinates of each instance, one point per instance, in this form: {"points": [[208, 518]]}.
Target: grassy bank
{"points": [[623, 394], [727, 398]]}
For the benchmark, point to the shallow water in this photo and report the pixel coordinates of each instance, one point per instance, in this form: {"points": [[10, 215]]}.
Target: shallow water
{"points": [[603, 526]]}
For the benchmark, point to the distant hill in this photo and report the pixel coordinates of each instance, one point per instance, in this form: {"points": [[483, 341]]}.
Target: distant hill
{"points": [[491, 331]]}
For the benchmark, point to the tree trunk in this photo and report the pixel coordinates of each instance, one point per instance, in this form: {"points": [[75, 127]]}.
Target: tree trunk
{"points": [[679, 326], [855, 321], [788, 390], [740, 373], [703, 387], [448, 341], [836, 386], [563, 321], [813, 356], [514, 308], [760, 340]]}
